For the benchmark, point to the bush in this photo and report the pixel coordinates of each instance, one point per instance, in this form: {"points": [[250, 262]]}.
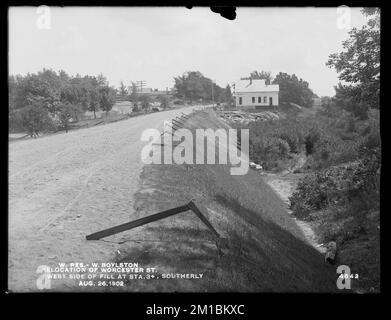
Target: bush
{"points": [[301, 211], [145, 102], [354, 186], [178, 101], [311, 138], [329, 141], [293, 139], [35, 119], [67, 112], [164, 101], [15, 121]]}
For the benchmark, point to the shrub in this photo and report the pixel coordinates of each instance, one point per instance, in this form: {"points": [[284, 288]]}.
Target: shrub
{"points": [[145, 102], [311, 138], [301, 211], [178, 101], [354, 186], [67, 112], [35, 119], [15, 121], [164, 102]]}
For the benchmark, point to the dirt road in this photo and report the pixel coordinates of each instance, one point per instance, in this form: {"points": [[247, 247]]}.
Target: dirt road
{"points": [[65, 186]]}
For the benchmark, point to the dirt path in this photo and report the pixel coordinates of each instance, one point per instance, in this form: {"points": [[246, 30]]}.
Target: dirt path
{"points": [[65, 186], [284, 185]]}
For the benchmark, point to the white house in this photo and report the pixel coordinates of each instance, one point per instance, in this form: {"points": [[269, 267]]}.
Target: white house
{"points": [[255, 94]]}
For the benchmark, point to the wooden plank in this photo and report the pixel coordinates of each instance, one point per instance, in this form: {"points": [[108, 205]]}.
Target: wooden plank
{"points": [[179, 123], [136, 223], [182, 119], [176, 125], [198, 212], [173, 127], [154, 217]]}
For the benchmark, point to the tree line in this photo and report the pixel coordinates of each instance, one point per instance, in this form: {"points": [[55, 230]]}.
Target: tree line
{"points": [[291, 88], [49, 100], [193, 86], [358, 66]]}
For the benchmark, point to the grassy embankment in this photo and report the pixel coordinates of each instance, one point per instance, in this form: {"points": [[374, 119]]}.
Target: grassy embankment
{"points": [[266, 251], [339, 194]]}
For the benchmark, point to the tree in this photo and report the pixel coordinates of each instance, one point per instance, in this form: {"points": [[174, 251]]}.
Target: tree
{"points": [[62, 96], [228, 94], [164, 101], [94, 98], [12, 97], [107, 98], [359, 64], [193, 86], [145, 102], [66, 112], [44, 86], [293, 89], [35, 119], [101, 80], [123, 91], [134, 96], [266, 75]]}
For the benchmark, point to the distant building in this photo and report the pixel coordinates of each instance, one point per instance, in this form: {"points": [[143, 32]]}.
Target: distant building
{"points": [[255, 94], [122, 107], [152, 92], [144, 90]]}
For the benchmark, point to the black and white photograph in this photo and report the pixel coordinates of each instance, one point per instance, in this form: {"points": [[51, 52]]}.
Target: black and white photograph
{"points": [[194, 150]]}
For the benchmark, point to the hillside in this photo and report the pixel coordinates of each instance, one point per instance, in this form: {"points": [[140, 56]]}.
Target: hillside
{"points": [[266, 250]]}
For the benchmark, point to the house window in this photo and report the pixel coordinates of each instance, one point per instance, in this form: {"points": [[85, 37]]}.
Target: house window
{"points": [[264, 99], [240, 100], [259, 99], [253, 99]]}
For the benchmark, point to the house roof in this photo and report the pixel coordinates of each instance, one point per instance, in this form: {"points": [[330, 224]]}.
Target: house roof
{"points": [[256, 85]]}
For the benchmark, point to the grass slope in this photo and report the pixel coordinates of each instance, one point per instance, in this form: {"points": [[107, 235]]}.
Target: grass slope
{"points": [[265, 250]]}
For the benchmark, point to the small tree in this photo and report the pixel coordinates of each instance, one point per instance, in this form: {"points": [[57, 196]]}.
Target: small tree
{"points": [[94, 101], [145, 102], [123, 92], [134, 96], [66, 112], [266, 75], [358, 65], [293, 90], [227, 94], [164, 102], [35, 119], [107, 98]]}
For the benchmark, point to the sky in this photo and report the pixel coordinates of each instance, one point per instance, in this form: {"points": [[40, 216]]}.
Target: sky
{"points": [[156, 44]]}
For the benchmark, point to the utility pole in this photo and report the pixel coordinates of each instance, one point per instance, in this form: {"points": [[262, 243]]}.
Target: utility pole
{"points": [[141, 84], [213, 97]]}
